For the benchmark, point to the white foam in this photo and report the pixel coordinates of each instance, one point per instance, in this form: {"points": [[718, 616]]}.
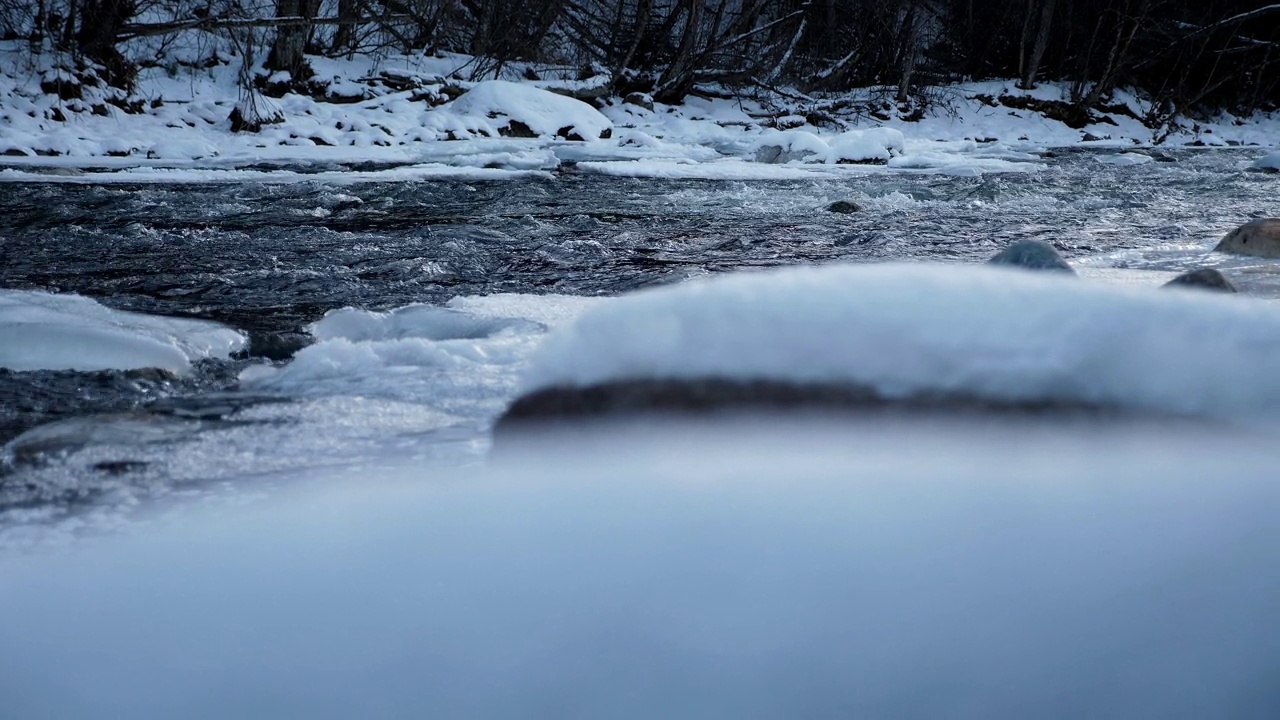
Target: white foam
{"points": [[43, 331], [905, 329]]}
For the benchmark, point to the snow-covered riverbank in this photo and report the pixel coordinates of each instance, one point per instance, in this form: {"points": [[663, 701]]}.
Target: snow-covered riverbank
{"points": [[409, 117]]}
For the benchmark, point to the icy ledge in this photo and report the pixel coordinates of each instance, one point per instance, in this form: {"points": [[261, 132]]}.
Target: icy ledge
{"points": [[905, 331], [44, 331]]}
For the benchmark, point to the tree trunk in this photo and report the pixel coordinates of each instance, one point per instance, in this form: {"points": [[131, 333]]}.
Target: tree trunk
{"points": [[287, 51], [100, 25], [1042, 42], [910, 48], [345, 35]]}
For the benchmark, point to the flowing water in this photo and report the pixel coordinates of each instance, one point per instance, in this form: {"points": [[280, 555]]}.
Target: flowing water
{"points": [[268, 259]]}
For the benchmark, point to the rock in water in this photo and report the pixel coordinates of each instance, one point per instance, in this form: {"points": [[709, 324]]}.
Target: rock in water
{"points": [[560, 405], [844, 207], [1260, 238], [1032, 255], [1204, 278]]}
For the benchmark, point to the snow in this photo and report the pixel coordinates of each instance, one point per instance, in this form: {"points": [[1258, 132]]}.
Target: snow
{"points": [[396, 110], [44, 331], [759, 572], [1003, 334], [491, 106]]}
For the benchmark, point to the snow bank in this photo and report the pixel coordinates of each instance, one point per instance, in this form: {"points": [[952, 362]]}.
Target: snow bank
{"points": [[495, 107], [902, 330], [42, 331]]}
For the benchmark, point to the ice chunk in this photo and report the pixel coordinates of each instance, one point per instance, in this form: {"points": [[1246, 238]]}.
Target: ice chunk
{"points": [[1127, 158], [1268, 162]]}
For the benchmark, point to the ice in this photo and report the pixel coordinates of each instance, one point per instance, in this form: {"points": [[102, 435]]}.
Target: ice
{"points": [[1002, 334], [463, 359], [755, 570], [43, 331], [412, 321], [1127, 158]]}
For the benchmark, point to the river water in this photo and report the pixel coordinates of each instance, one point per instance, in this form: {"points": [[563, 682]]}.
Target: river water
{"points": [[268, 259]]}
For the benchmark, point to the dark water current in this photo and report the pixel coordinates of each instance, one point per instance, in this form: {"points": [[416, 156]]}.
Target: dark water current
{"points": [[269, 258]]}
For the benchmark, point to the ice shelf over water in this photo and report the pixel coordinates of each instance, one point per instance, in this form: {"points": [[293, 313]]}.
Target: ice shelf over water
{"points": [[44, 331]]}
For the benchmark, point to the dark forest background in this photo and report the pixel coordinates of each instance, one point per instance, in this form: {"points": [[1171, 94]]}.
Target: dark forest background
{"points": [[1182, 55]]}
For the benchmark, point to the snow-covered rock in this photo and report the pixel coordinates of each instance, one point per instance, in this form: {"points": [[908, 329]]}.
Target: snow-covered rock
{"points": [[874, 145], [870, 145], [906, 331], [785, 146], [43, 331], [499, 107]]}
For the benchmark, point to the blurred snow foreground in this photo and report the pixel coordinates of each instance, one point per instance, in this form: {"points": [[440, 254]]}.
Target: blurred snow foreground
{"points": [[897, 334], [754, 570]]}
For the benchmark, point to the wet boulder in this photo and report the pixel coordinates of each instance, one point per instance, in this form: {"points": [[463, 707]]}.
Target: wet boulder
{"points": [[1032, 255], [1204, 279], [844, 207], [560, 406], [1259, 238]]}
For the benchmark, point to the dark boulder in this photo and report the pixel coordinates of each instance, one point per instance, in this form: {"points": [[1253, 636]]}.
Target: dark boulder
{"points": [[844, 207], [560, 406], [1205, 279], [1032, 255]]}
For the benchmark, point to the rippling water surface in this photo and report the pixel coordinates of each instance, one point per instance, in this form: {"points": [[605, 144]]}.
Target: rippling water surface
{"points": [[270, 258]]}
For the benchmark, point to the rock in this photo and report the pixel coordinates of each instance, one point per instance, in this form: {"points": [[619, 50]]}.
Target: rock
{"points": [[1259, 238], [1090, 137], [561, 406], [639, 100], [1204, 278], [1032, 255], [844, 207]]}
